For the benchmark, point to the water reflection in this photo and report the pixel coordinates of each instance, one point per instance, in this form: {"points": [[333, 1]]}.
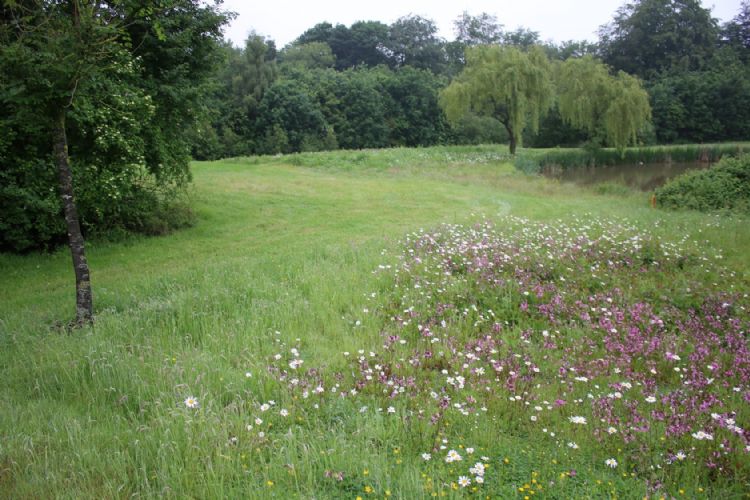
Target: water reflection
{"points": [[644, 177]]}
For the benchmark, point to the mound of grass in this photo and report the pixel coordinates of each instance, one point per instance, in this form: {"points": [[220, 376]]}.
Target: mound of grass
{"points": [[725, 186]]}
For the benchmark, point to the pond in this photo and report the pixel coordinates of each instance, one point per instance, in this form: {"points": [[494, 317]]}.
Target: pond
{"points": [[644, 177]]}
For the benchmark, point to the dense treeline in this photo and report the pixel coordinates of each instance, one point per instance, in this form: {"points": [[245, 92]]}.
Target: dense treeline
{"points": [[377, 85], [140, 87]]}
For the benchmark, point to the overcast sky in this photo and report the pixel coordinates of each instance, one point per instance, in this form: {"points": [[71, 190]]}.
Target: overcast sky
{"points": [[558, 20]]}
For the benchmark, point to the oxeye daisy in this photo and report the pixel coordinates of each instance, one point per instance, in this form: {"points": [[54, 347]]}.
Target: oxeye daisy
{"points": [[191, 402], [700, 436]]}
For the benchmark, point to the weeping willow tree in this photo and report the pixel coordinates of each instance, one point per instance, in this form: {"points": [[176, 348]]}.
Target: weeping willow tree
{"points": [[504, 83], [611, 108]]}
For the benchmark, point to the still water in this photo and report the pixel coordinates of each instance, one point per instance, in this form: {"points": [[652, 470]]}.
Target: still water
{"points": [[645, 177]]}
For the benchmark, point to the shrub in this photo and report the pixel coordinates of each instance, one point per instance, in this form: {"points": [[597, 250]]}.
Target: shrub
{"points": [[725, 186]]}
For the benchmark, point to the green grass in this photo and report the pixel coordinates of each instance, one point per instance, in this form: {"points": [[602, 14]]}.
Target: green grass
{"points": [[282, 256]]}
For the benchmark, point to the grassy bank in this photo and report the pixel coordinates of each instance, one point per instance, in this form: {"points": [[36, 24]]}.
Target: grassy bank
{"points": [[301, 279]]}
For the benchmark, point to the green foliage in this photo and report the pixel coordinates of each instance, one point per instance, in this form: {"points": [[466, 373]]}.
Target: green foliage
{"points": [[476, 129], [313, 55], [483, 29], [130, 90], [695, 76], [30, 207], [703, 106], [522, 38], [723, 186], [237, 89], [612, 189], [736, 33], [527, 164], [360, 44], [585, 157], [647, 37], [555, 132], [413, 41], [290, 119], [613, 109], [414, 115], [505, 83]]}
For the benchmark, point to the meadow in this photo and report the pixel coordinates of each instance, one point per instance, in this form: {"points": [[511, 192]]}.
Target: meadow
{"points": [[405, 323]]}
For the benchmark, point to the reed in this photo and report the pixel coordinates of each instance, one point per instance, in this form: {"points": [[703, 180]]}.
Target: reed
{"points": [[581, 157]]}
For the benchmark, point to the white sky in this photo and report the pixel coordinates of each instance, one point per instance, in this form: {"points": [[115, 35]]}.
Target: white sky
{"points": [[558, 20]]}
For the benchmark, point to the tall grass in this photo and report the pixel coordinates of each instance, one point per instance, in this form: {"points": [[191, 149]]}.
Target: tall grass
{"points": [[579, 157], [295, 257]]}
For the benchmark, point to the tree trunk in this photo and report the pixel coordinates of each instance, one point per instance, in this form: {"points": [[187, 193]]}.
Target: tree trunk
{"points": [[84, 302], [511, 139]]}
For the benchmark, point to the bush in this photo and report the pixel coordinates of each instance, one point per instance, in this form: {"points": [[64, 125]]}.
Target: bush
{"points": [[725, 186]]}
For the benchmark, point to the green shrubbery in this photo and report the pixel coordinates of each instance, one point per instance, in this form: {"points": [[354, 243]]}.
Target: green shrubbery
{"points": [[725, 186], [128, 117]]}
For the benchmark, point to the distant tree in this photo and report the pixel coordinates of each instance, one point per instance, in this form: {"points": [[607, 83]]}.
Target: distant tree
{"points": [[650, 36], [364, 105], [313, 55], [471, 31], [477, 30], [521, 37], [612, 109], [290, 120], [252, 70], [555, 132], [736, 33], [368, 41], [702, 106], [413, 41], [321, 32], [571, 48], [362, 43], [243, 81], [504, 83], [414, 115]]}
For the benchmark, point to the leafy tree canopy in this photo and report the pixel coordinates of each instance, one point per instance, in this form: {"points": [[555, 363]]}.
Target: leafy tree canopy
{"points": [[483, 29], [613, 109], [650, 36], [505, 83], [736, 33]]}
